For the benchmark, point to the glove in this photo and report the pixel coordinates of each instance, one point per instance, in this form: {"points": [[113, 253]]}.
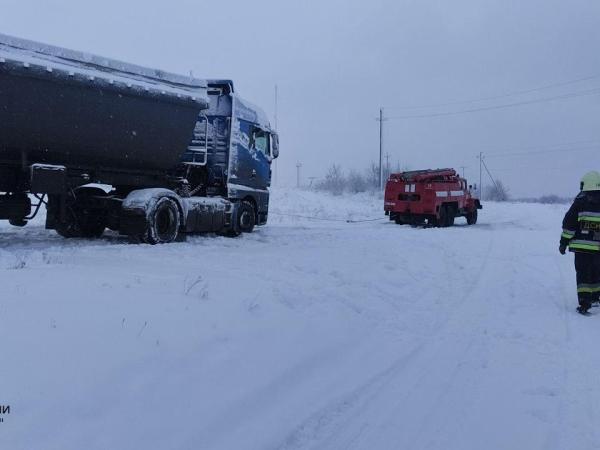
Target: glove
{"points": [[562, 249]]}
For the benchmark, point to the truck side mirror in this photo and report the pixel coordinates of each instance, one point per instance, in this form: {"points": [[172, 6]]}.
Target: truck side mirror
{"points": [[274, 145]]}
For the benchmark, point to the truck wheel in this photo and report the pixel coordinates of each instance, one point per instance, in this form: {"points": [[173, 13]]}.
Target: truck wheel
{"points": [[163, 222], [446, 217], [83, 222], [246, 217], [70, 228], [472, 218], [442, 219], [92, 227], [450, 216], [399, 220]]}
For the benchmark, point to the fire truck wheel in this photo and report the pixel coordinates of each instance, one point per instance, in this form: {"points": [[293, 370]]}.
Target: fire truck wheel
{"points": [[450, 215], [442, 219], [399, 220], [472, 218]]}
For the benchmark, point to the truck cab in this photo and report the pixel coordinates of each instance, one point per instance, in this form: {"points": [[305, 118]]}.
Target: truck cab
{"points": [[232, 150]]}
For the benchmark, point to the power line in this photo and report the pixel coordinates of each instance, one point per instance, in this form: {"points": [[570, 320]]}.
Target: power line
{"points": [[500, 152], [595, 91], [496, 97], [530, 168], [540, 152]]}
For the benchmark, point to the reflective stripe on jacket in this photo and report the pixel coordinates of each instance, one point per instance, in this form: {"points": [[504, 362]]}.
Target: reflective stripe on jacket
{"points": [[581, 225]]}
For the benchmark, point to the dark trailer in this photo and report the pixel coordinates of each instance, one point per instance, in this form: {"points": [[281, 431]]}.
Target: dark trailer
{"points": [[106, 144]]}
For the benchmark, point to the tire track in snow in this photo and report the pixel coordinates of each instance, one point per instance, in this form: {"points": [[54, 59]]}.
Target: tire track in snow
{"points": [[329, 423]]}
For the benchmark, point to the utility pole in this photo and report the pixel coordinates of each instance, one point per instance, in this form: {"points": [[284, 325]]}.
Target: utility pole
{"points": [[275, 174], [298, 165], [480, 167], [276, 93], [491, 177], [381, 120]]}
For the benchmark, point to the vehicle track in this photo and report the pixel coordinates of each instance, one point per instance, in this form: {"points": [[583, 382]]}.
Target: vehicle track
{"points": [[343, 422]]}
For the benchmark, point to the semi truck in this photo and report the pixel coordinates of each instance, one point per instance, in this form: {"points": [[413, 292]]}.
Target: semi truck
{"points": [[104, 144], [432, 197]]}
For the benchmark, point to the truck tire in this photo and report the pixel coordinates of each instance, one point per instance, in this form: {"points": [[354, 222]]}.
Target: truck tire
{"points": [[472, 217], [442, 217], [82, 223], [246, 217], [446, 216], [163, 222], [70, 228], [80, 227], [244, 220], [450, 215]]}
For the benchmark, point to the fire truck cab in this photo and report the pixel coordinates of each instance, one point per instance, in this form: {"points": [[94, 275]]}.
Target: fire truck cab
{"points": [[432, 197]]}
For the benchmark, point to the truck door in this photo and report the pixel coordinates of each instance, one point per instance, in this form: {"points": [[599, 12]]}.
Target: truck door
{"points": [[253, 168]]}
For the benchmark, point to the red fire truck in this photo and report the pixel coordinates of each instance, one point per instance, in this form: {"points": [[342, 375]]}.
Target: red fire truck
{"points": [[435, 197]]}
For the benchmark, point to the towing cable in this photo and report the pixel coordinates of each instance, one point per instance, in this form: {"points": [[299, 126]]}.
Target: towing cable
{"points": [[327, 220]]}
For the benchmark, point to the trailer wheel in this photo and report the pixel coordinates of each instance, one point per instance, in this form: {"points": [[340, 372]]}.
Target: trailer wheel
{"points": [[70, 228], [472, 217], [83, 222], [163, 222]]}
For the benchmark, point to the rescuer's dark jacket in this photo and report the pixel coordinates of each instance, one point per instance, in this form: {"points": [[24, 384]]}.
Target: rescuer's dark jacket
{"points": [[581, 225]]}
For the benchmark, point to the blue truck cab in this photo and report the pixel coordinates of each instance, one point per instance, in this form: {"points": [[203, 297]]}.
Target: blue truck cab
{"points": [[234, 140]]}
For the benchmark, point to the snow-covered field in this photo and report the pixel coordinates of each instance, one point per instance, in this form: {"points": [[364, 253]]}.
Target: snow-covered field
{"points": [[307, 334]]}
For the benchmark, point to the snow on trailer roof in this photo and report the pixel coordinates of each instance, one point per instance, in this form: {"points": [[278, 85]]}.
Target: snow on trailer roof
{"points": [[74, 63]]}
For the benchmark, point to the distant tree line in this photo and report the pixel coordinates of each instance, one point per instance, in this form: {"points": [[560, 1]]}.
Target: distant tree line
{"points": [[497, 192], [336, 181]]}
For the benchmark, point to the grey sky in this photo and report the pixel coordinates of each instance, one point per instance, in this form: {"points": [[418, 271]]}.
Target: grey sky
{"points": [[336, 62]]}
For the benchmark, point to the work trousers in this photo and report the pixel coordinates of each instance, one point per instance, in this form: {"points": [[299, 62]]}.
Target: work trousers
{"points": [[587, 266]]}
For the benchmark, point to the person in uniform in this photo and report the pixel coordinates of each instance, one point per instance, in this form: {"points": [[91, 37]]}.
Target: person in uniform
{"points": [[581, 234]]}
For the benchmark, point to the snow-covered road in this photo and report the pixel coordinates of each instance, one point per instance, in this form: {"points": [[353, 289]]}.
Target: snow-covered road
{"points": [[307, 334]]}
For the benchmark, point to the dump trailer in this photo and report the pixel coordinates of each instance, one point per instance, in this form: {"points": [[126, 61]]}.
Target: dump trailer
{"points": [[432, 197], [107, 144]]}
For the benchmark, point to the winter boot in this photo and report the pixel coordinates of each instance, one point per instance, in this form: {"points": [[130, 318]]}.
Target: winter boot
{"points": [[583, 310], [585, 303]]}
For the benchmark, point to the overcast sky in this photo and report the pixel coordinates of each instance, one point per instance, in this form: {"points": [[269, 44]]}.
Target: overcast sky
{"points": [[337, 62]]}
